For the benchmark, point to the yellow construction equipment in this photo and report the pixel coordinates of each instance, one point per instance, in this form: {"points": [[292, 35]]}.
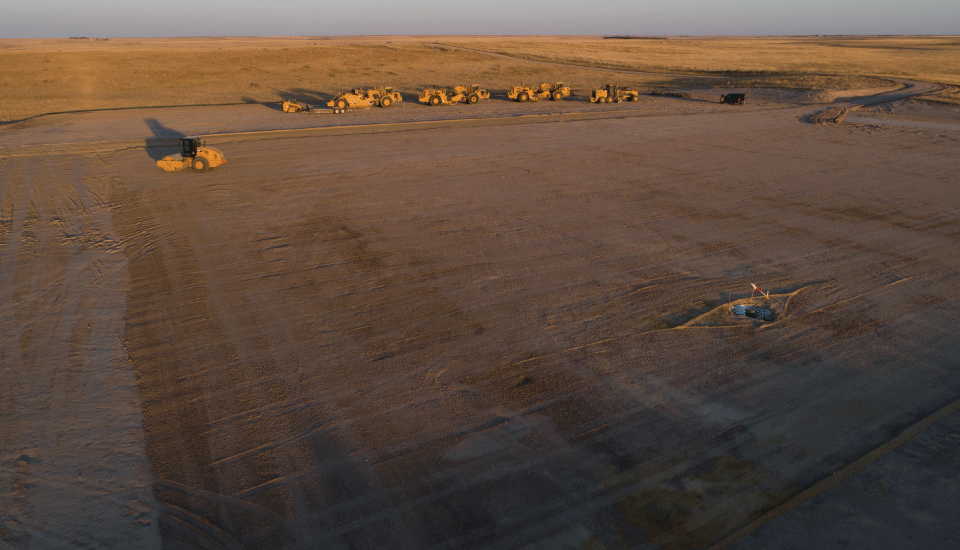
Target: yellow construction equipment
{"points": [[611, 93], [445, 96], [193, 154], [359, 99], [555, 91], [291, 107]]}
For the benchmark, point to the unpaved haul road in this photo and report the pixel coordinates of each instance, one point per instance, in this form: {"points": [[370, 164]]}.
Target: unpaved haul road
{"points": [[488, 336]]}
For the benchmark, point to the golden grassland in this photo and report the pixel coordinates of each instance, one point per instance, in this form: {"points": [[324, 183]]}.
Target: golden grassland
{"points": [[206, 71], [951, 98], [62, 75], [924, 58]]}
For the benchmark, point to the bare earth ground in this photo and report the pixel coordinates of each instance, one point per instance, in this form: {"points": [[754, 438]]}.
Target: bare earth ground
{"points": [[475, 334], [906, 499]]}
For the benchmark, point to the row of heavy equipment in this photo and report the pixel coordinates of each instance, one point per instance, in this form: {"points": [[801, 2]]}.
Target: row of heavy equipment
{"points": [[200, 158], [385, 97]]}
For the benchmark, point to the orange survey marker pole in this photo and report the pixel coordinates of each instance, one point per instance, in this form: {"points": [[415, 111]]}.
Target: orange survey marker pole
{"points": [[765, 294], [755, 289]]}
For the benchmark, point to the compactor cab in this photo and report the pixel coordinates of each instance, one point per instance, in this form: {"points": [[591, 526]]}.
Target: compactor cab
{"points": [[189, 146]]}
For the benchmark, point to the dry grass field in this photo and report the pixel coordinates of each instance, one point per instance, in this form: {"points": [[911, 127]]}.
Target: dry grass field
{"points": [[63, 75], [777, 59], [951, 98]]}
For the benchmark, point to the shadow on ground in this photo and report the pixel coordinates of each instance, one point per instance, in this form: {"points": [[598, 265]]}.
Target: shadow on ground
{"points": [[165, 141]]}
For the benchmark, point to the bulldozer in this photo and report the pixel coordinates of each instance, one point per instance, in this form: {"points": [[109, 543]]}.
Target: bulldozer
{"points": [[555, 91], [360, 99], [612, 93], [445, 96], [193, 154]]}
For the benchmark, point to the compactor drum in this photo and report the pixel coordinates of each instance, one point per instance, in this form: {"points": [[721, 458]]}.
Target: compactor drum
{"points": [[193, 154]]}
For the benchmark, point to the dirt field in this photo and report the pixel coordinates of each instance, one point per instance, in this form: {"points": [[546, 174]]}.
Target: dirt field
{"points": [[501, 326]]}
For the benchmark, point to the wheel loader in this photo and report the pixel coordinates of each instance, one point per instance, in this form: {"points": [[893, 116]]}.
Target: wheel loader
{"points": [[193, 154], [360, 99], [445, 96], [611, 93], [555, 92]]}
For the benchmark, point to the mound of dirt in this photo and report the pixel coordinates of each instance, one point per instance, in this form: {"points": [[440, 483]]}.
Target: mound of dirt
{"points": [[833, 115], [831, 96]]}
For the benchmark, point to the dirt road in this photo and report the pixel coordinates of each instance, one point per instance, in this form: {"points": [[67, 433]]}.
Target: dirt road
{"points": [[463, 337]]}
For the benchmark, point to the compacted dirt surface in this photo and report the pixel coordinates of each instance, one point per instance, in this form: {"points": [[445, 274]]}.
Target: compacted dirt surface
{"points": [[457, 328]]}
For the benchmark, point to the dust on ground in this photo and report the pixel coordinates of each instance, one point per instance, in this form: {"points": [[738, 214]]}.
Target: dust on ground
{"points": [[463, 337]]}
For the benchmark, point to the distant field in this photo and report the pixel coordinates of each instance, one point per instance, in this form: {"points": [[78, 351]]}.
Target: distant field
{"points": [[788, 58], [948, 98], [61, 75]]}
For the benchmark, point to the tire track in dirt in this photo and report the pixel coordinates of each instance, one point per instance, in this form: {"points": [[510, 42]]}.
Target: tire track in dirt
{"points": [[345, 130], [385, 513], [346, 270], [72, 421], [838, 476], [174, 331], [227, 314], [911, 88]]}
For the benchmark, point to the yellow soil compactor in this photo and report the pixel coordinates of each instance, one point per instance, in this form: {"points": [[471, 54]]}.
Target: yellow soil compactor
{"points": [[194, 155]]}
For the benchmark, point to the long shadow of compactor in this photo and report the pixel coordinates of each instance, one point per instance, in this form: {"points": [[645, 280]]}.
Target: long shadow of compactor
{"points": [[165, 141]]}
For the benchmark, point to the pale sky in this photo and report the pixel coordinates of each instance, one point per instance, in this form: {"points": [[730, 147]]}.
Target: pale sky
{"points": [[126, 18]]}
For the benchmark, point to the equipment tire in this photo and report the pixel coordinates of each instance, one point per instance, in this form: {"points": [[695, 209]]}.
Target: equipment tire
{"points": [[557, 96], [340, 103], [200, 164], [386, 102], [473, 99], [523, 97], [435, 100]]}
